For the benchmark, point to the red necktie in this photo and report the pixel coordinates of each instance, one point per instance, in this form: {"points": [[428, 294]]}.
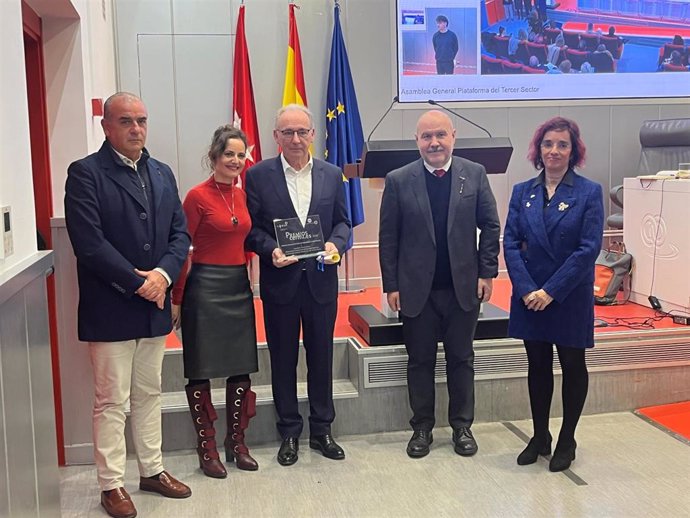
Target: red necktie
{"points": [[439, 173]]}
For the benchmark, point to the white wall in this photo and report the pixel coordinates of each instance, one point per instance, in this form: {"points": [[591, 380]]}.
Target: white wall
{"points": [[79, 58], [79, 64], [16, 184]]}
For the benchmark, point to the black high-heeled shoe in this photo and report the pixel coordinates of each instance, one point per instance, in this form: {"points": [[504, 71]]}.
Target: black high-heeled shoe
{"points": [[562, 457], [530, 454]]}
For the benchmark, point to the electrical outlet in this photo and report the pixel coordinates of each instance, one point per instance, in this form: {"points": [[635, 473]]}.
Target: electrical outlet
{"points": [[682, 320], [6, 227]]}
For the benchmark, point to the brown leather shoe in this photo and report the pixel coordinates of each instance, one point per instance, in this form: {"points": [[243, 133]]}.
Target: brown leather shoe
{"points": [[166, 485], [117, 503]]}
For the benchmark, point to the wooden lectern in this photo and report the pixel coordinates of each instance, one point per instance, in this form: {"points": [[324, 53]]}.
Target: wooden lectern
{"points": [[380, 157]]}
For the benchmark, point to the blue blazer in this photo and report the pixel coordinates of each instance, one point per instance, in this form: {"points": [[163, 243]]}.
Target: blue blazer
{"points": [[554, 248], [268, 199], [112, 233]]}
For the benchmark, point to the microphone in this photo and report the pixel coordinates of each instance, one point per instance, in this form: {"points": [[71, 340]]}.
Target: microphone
{"points": [[434, 103], [395, 100]]}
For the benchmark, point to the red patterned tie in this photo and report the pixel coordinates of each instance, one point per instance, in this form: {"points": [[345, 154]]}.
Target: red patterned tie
{"points": [[439, 173]]}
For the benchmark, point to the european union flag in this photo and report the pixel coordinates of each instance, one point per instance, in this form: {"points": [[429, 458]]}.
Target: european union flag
{"points": [[344, 135]]}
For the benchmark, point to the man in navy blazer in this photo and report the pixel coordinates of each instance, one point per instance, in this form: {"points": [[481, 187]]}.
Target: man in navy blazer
{"points": [[436, 273], [129, 235], [299, 292]]}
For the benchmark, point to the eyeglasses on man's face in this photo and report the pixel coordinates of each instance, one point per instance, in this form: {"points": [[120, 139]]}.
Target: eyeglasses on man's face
{"points": [[290, 133]]}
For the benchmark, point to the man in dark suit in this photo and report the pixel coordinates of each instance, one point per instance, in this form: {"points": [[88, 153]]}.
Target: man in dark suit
{"points": [[129, 235], [299, 292], [436, 273]]}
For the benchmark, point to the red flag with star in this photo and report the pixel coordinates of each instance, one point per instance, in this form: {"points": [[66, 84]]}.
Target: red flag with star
{"points": [[244, 112]]}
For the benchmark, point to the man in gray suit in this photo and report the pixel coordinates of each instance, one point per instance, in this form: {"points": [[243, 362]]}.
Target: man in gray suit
{"points": [[436, 272]]}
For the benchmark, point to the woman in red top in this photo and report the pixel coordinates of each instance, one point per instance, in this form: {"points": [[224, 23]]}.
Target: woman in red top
{"points": [[217, 307]]}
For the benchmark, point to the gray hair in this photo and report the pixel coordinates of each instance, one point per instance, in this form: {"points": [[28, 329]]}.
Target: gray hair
{"points": [[294, 107]]}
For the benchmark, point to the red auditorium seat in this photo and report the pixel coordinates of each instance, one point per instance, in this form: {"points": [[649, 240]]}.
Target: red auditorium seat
{"points": [[491, 65], [530, 70], [591, 40], [668, 48], [668, 67], [613, 45], [501, 46], [551, 35], [511, 68], [537, 49], [572, 39], [602, 62], [577, 57], [521, 53]]}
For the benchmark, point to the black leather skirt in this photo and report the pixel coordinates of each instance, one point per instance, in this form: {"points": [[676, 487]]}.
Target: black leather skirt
{"points": [[218, 327]]}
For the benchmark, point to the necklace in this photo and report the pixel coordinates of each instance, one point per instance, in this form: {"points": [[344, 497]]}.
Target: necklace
{"points": [[231, 207]]}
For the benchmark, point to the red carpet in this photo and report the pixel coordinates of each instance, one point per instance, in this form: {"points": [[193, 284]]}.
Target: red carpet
{"points": [[500, 297], [675, 417]]}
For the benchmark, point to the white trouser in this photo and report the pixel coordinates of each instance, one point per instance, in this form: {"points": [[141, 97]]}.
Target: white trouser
{"points": [[129, 370]]}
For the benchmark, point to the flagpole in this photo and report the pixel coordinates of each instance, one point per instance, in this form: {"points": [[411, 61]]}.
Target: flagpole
{"points": [[344, 138], [356, 288], [348, 288]]}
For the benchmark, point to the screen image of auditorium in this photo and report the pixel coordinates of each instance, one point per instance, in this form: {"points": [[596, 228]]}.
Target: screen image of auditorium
{"points": [[499, 50]]}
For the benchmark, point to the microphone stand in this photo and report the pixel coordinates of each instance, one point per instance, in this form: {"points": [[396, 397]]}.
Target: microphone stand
{"points": [[395, 100], [434, 103]]}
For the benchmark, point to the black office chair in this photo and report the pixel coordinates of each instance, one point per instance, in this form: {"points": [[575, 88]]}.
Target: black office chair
{"points": [[665, 144]]}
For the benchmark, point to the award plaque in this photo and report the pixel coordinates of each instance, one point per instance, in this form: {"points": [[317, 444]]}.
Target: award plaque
{"points": [[298, 240]]}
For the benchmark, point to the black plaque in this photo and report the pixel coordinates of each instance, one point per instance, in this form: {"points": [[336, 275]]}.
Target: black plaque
{"points": [[298, 240]]}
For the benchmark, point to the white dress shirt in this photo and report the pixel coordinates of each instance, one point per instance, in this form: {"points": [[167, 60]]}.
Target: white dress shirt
{"points": [[299, 187], [446, 166]]}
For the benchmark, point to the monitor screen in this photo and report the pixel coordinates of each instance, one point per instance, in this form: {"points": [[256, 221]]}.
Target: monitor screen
{"points": [[466, 50]]}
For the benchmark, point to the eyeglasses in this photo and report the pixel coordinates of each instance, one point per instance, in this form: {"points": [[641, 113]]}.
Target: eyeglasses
{"points": [[289, 133], [561, 145]]}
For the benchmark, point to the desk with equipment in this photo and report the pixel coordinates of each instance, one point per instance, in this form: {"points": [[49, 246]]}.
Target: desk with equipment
{"points": [[656, 231]]}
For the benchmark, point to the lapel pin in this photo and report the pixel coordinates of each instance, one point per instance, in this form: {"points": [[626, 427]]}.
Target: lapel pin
{"points": [[562, 206], [528, 204]]}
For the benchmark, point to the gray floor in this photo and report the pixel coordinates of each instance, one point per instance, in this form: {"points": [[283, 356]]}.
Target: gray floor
{"points": [[625, 467]]}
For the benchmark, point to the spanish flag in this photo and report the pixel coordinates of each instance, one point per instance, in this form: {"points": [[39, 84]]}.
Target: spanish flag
{"points": [[294, 91]]}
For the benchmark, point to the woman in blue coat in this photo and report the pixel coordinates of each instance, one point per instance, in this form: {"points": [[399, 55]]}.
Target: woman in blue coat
{"points": [[552, 238]]}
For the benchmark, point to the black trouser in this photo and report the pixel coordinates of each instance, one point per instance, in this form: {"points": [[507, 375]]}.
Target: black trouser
{"points": [[445, 67], [441, 317], [540, 383], [282, 322]]}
